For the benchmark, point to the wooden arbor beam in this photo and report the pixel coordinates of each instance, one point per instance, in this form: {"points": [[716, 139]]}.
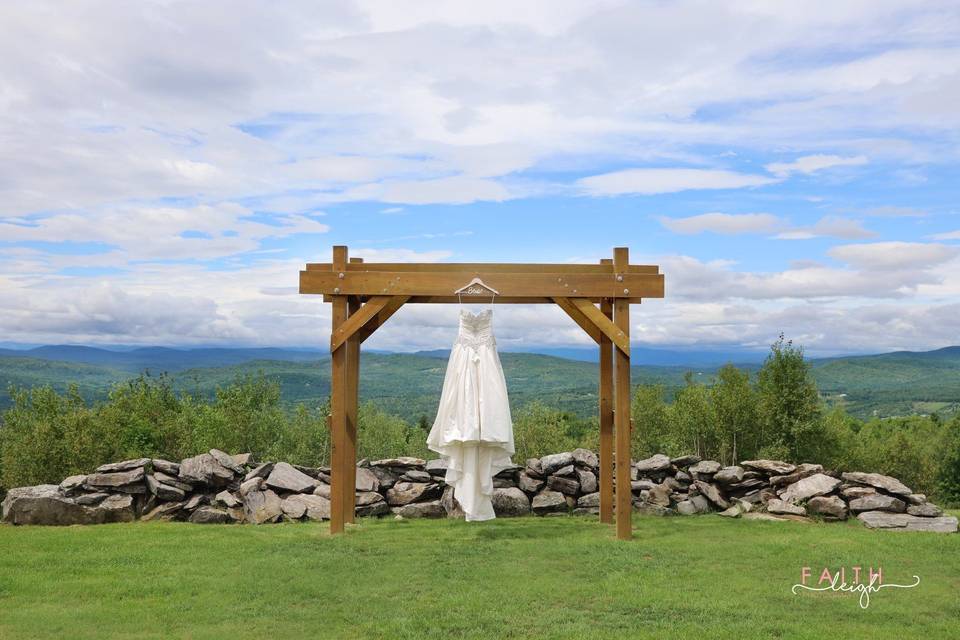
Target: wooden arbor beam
{"points": [[427, 284], [365, 295]]}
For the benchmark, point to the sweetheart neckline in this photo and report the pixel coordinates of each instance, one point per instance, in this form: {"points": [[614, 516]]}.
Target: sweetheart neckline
{"points": [[475, 315]]}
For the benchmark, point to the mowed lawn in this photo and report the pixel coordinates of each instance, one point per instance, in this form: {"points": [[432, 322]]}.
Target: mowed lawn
{"points": [[565, 577]]}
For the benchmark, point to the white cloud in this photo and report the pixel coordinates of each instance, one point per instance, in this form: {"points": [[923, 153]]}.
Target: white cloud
{"points": [[828, 227], [455, 190], [811, 164], [722, 223], [889, 211], [947, 235], [126, 125], [163, 232], [885, 256], [652, 181]]}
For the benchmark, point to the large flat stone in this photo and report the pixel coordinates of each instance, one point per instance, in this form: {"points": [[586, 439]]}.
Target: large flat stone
{"points": [[589, 500], [210, 515], [45, 505], [801, 472], [402, 461], [549, 502], [432, 509], [712, 494], [262, 506], [818, 484], [226, 460], [528, 483], [126, 465], [368, 481], [131, 481], [588, 481], [925, 510], [658, 462], [831, 507], [406, 492], [550, 463], [566, 486], [906, 522], [165, 466], [782, 507], [72, 484], [163, 491], [585, 458], [285, 478], [728, 475], [510, 502], [705, 467], [887, 483], [878, 502], [206, 470], [771, 467]]}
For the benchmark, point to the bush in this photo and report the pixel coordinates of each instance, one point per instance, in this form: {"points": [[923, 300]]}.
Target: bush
{"points": [[539, 430], [47, 436]]}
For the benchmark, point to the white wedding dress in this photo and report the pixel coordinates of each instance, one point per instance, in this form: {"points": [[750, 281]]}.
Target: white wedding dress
{"points": [[473, 430]]}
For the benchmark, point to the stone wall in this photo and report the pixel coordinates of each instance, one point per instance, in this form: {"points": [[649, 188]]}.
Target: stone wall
{"points": [[216, 487]]}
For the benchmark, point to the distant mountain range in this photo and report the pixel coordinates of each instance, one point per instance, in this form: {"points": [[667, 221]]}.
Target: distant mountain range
{"points": [[408, 384], [173, 359]]}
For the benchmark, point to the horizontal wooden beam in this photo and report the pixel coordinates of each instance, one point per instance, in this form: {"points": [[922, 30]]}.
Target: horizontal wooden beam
{"points": [[620, 339], [510, 285], [486, 267], [484, 300], [577, 316]]}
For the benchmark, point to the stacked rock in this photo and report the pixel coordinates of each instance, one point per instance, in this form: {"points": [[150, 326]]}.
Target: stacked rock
{"points": [[216, 487]]}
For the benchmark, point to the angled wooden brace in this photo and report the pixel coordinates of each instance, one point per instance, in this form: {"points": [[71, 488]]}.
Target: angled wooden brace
{"points": [[356, 321], [603, 323], [578, 316], [382, 316]]}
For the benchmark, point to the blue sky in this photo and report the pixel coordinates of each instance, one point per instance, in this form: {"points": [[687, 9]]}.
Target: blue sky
{"points": [[167, 167]]}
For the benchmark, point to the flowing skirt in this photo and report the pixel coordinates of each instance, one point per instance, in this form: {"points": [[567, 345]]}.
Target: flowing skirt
{"points": [[473, 430]]}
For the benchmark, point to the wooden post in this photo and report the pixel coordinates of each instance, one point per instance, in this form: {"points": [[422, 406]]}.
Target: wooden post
{"points": [[606, 417], [621, 317], [606, 422], [338, 405], [350, 441]]}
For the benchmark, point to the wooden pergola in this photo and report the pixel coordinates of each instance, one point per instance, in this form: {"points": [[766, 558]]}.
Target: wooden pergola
{"points": [[596, 296]]}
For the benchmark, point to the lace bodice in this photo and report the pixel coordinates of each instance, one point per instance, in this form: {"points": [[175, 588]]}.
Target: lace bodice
{"points": [[476, 329]]}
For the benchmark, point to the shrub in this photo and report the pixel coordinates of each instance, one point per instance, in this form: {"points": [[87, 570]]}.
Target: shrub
{"points": [[539, 430]]}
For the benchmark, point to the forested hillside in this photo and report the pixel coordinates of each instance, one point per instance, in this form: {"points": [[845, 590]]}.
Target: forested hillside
{"points": [[408, 385]]}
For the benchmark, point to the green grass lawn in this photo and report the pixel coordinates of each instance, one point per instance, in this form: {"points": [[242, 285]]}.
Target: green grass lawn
{"points": [[704, 577]]}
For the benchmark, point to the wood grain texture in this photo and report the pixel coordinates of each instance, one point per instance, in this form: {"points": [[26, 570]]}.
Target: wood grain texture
{"points": [[338, 408], [486, 267], [624, 497], [377, 321], [606, 420], [574, 285], [604, 324], [357, 320], [577, 316]]}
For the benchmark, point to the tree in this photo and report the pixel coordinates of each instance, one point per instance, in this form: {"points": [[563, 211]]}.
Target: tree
{"points": [[789, 403], [539, 430], [693, 420], [735, 409], [651, 422], [949, 473]]}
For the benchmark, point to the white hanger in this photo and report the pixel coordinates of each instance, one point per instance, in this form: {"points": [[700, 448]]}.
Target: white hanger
{"points": [[474, 282]]}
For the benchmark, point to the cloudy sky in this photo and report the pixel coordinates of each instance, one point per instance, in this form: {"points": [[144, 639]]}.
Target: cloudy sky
{"points": [[167, 167]]}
